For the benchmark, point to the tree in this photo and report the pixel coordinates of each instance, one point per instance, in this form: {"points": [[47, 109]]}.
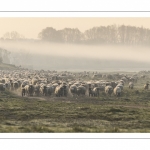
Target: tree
{"points": [[110, 34], [50, 34], [122, 34], [13, 35], [70, 35], [4, 56]]}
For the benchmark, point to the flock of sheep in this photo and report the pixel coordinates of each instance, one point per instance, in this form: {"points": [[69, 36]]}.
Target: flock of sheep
{"points": [[53, 83]]}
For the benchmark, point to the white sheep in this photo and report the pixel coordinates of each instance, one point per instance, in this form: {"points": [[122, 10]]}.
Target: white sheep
{"points": [[117, 91], [131, 85]]}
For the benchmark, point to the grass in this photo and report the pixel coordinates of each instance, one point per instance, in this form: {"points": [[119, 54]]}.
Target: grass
{"points": [[4, 66], [128, 113]]}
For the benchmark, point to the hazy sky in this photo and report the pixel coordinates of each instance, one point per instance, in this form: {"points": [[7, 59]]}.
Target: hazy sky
{"points": [[30, 27]]}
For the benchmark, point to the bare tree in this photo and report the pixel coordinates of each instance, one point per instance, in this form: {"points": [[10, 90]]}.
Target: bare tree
{"points": [[111, 34], [13, 35]]}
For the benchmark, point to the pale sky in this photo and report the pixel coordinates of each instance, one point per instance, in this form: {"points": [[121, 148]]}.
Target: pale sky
{"points": [[30, 27]]}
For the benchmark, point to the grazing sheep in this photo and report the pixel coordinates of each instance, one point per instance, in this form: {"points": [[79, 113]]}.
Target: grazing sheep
{"points": [[37, 90], [113, 84], [117, 91], [43, 89], [81, 90], [2, 87], [23, 91], [120, 85], [108, 90], [73, 90], [146, 86], [50, 89], [29, 89], [131, 85], [45, 82], [3, 80], [59, 91], [121, 82], [102, 88], [34, 81], [132, 79], [95, 92], [7, 84], [15, 85], [90, 91]]}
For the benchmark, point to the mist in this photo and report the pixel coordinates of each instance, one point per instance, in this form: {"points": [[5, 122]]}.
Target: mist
{"points": [[43, 55]]}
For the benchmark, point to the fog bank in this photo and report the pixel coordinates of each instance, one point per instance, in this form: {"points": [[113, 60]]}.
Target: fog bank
{"points": [[42, 55]]}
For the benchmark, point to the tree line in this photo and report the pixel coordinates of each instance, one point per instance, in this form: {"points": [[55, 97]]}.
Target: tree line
{"points": [[4, 56], [14, 35], [111, 34]]}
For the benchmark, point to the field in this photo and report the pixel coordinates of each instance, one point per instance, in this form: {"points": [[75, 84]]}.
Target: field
{"points": [[128, 113], [4, 66]]}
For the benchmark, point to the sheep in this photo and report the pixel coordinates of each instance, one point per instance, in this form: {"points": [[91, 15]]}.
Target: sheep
{"points": [[117, 91], [15, 85], [90, 91], [29, 89], [108, 90], [34, 81], [73, 89], [36, 89], [131, 85], [81, 90], [50, 89], [43, 89], [43, 82], [146, 86], [95, 92], [2, 87], [23, 92], [120, 85]]}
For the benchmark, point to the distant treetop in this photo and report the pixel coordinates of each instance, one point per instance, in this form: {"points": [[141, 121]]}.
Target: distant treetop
{"points": [[13, 36], [112, 34]]}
